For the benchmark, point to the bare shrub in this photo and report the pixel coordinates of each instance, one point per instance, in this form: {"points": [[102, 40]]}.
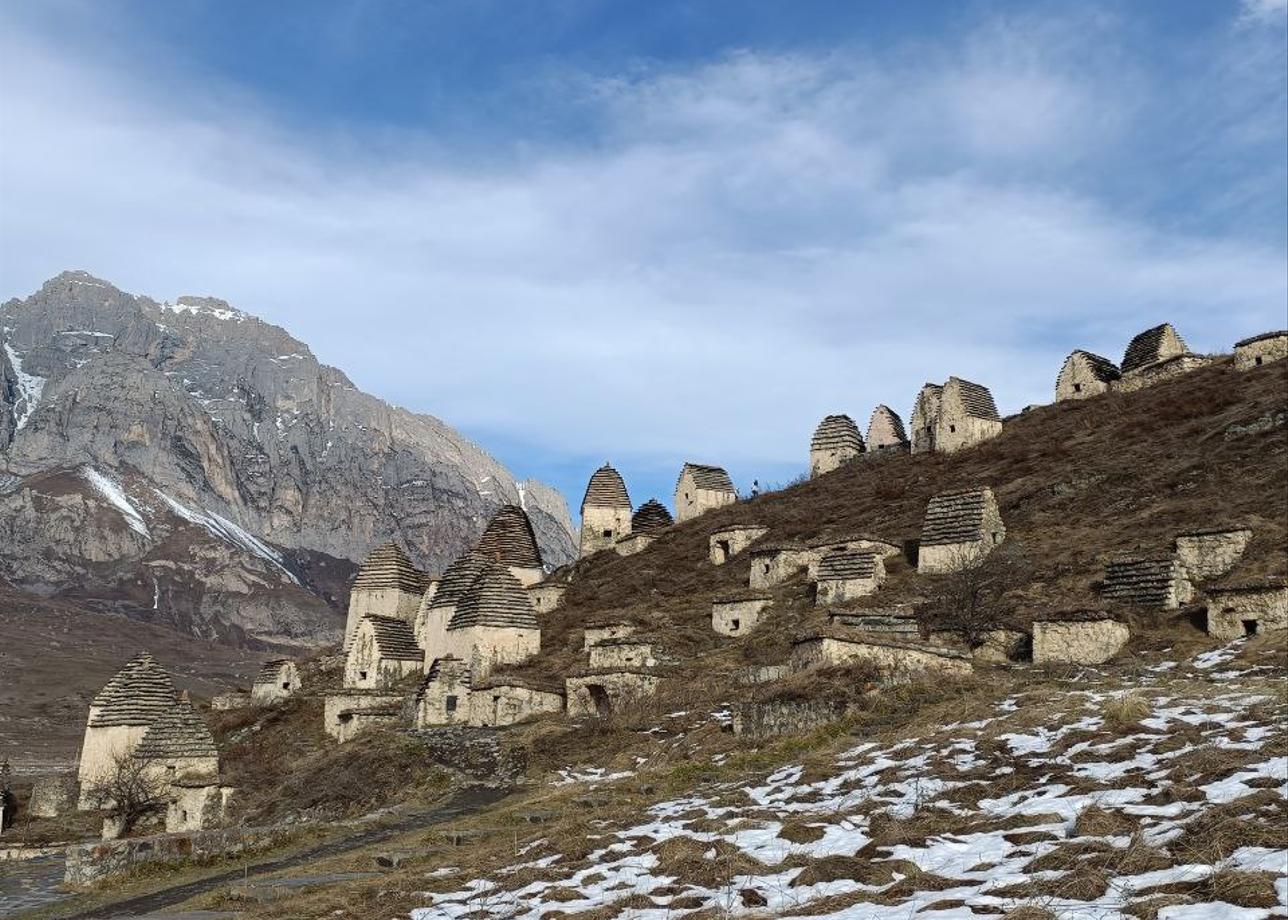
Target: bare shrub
{"points": [[968, 599], [129, 792], [1125, 712]]}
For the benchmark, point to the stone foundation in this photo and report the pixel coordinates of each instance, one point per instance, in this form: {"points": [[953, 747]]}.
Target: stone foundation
{"points": [[347, 713], [738, 615], [504, 704], [1091, 640], [896, 662], [90, 863], [772, 719], [633, 543], [483, 753]]}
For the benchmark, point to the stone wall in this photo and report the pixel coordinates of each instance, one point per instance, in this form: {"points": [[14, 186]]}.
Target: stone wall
{"points": [[896, 662], [623, 653], [832, 588], [196, 807], [762, 673], [286, 681], [601, 527], [787, 717], [546, 596], [772, 566], [52, 796], [633, 543], [925, 416], [444, 699], [691, 501], [233, 699], [1209, 554], [959, 431], [340, 706], [91, 863], [505, 704], [1147, 582], [724, 544], [1259, 350], [737, 616], [385, 602], [998, 646], [820, 548], [593, 635], [1092, 641], [365, 669], [1083, 376], [601, 694], [99, 751], [1237, 612], [486, 647], [1151, 374]]}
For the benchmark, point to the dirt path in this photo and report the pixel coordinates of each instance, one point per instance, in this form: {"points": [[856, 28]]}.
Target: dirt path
{"points": [[463, 803]]}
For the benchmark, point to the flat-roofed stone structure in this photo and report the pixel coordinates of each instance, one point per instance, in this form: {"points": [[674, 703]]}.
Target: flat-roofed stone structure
{"points": [[624, 652], [545, 596], [600, 693], [726, 542], [959, 529], [1085, 374], [738, 614], [277, 679], [836, 442], [1150, 581], [510, 541], [196, 804], [605, 511], [120, 715], [382, 652], [846, 575], [348, 713], [387, 585], [1247, 608], [500, 701], [925, 418], [895, 661], [701, 488], [967, 416], [778, 562], [1211, 552], [600, 631], [633, 543], [1257, 350], [886, 433], [494, 623], [438, 610], [444, 695], [1077, 637]]}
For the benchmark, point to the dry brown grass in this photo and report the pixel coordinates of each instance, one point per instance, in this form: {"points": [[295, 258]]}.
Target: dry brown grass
{"points": [[1123, 713]]}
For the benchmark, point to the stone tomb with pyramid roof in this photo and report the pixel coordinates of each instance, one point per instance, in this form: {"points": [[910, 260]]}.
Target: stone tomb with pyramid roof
{"points": [[493, 623], [605, 511], [959, 529], [510, 541], [650, 520], [836, 442], [387, 585]]}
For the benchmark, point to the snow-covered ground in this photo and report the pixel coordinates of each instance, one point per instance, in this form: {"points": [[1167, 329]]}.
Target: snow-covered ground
{"points": [[1048, 802]]}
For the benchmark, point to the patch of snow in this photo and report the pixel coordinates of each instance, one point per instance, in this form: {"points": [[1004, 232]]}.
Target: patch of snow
{"points": [[1208, 660], [30, 389], [196, 310], [111, 490], [229, 532]]}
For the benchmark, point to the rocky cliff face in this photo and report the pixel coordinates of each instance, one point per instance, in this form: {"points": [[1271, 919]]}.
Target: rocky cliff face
{"points": [[190, 450]]}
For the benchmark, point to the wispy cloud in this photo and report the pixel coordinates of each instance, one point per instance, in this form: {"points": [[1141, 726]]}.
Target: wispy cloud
{"points": [[730, 251]]}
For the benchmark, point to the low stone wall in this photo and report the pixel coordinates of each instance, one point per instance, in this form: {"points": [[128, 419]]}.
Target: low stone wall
{"points": [[1259, 350], [775, 565], [52, 796], [724, 544], [737, 616], [768, 720], [481, 753], [1159, 371], [1208, 554], [593, 635], [234, 699], [90, 863], [1241, 611], [896, 662], [1089, 641], [762, 674], [341, 706], [633, 543]]}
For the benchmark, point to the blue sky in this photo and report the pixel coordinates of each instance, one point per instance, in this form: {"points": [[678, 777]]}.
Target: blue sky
{"points": [[654, 232]]}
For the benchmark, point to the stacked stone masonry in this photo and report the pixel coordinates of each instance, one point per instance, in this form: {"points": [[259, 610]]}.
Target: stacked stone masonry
{"points": [[545, 596], [701, 488], [886, 432], [651, 517], [726, 542], [493, 623], [1084, 375], [1147, 582], [387, 585], [836, 441], [500, 703], [443, 698], [847, 575], [381, 653], [1261, 349], [601, 694], [1078, 637], [959, 529], [1247, 608], [624, 652], [605, 511], [739, 614], [894, 661], [1211, 553], [593, 635], [277, 680], [773, 565]]}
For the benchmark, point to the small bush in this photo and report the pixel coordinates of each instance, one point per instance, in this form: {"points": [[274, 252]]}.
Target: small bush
{"points": [[1125, 712]]}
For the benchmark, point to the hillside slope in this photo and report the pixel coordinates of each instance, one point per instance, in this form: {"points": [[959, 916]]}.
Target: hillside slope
{"points": [[1076, 482]]}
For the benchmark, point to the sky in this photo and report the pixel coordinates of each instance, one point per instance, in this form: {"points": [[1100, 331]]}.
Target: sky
{"points": [[649, 233]]}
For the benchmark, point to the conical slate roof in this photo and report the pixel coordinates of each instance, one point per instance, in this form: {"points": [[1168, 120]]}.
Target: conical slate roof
{"points": [[606, 490], [457, 579], [1150, 346], [885, 429], [652, 515], [394, 639], [837, 432], [389, 567], [495, 599], [179, 732], [138, 694], [844, 565], [712, 478], [509, 540]]}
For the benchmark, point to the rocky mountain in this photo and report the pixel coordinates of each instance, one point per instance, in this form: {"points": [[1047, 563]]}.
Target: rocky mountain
{"points": [[194, 464]]}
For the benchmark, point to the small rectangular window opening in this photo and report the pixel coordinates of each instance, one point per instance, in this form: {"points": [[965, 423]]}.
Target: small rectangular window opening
{"points": [[451, 704], [734, 624], [1077, 388], [1249, 627]]}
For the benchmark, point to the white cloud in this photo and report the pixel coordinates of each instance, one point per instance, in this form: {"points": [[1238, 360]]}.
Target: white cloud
{"points": [[1264, 11], [741, 247]]}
